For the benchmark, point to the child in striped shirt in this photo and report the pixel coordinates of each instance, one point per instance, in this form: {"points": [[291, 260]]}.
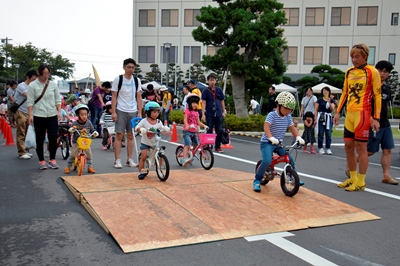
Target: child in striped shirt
{"points": [[107, 124]]}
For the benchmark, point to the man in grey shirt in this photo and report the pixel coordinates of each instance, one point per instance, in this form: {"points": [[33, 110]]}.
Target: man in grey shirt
{"points": [[10, 100]]}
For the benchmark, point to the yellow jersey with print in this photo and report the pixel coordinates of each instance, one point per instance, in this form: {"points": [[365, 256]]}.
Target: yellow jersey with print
{"points": [[167, 97], [360, 85], [198, 93]]}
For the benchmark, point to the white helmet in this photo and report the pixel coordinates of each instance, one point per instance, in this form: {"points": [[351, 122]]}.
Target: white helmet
{"points": [[286, 99], [87, 90]]}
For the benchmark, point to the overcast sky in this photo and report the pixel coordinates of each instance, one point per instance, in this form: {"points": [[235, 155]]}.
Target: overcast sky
{"points": [[87, 32]]}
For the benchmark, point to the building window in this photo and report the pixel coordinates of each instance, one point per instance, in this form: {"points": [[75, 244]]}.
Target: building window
{"points": [[191, 54], [339, 55], [367, 15], [313, 55], [212, 50], [173, 52], [190, 17], [395, 19], [147, 54], [315, 16], [292, 16], [371, 56], [340, 16], [169, 17], [147, 18], [290, 55], [392, 58]]}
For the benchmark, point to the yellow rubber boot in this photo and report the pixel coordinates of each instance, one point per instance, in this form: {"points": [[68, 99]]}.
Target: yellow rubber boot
{"points": [[349, 181], [358, 185]]}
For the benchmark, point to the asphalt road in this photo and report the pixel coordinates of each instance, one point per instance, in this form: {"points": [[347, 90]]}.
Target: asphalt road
{"points": [[41, 222]]}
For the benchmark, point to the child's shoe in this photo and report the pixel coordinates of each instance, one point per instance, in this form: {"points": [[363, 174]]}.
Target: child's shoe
{"points": [[67, 170], [141, 176], [91, 170], [305, 149], [104, 147], [186, 162], [256, 185], [312, 150]]}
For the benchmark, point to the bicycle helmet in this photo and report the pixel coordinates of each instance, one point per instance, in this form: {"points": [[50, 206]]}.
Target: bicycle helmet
{"points": [[150, 106], [107, 105], [80, 107], [286, 99], [192, 98], [70, 98]]}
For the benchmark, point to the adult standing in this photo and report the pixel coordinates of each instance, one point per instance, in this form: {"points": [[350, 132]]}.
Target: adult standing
{"points": [[126, 104], [185, 90], [323, 120], [197, 91], [166, 104], [97, 103], [44, 111], [361, 82], [10, 100], [213, 109], [271, 99], [308, 103], [21, 115]]}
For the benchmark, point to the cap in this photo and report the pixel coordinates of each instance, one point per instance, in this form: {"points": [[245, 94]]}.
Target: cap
{"points": [[192, 81], [163, 88], [87, 90]]}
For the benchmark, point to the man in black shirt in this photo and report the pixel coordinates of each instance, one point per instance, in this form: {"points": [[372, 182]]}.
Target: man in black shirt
{"points": [[271, 99]]}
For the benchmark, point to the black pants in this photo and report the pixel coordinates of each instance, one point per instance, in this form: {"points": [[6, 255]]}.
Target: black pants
{"points": [[43, 124]]}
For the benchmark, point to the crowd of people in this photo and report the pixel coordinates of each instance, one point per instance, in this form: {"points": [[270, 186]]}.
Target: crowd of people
{"points": [[114, 105]]}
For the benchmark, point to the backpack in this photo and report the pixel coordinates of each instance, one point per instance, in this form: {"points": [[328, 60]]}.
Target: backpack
{"points": [[225, 137], [120, 84]]}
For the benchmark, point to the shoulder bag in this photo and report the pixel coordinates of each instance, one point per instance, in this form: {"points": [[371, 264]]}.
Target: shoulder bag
{"points": [[41, 95]]}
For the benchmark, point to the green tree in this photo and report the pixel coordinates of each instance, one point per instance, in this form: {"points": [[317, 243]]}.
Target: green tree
{"points": [[249, 39], [30, 57], [393, 82]]}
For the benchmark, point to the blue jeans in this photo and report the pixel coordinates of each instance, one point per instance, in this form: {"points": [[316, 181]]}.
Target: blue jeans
{"points": [[190, 138], [215, 122], [94, 116], [267, 150], [328, 135], [165, 116]]}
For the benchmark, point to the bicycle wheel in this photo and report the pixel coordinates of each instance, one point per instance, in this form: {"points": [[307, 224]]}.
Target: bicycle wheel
{"points": [[179, 155], [162, 168], [64, 147], [206, 158], [290, 182], [264, 180], [82, 162]]}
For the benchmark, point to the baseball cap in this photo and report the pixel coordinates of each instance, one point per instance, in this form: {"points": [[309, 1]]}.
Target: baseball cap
{"points": [[192, 81]]}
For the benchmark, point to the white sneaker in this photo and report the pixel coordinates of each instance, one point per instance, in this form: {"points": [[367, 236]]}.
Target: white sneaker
{"points": [[131, 163], [118, 164], [328, 151], [321, 151], [25, 156], [29, 154]]}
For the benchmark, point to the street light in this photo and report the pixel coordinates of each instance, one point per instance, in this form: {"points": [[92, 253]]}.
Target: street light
{"points": [[17, 67], [167, 46]]}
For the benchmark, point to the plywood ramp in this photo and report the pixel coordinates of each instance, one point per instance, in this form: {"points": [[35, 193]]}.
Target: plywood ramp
{"points": [[195, 206]]}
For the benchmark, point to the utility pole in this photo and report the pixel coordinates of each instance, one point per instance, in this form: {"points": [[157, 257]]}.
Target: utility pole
{"points": [[5, 41]]}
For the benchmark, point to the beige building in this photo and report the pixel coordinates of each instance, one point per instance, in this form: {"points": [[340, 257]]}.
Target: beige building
{"points": [[317, 32]]}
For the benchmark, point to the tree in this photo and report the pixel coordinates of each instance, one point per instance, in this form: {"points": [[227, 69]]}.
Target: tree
{"points": [[29, 57], [249, 41], [393, 82]]}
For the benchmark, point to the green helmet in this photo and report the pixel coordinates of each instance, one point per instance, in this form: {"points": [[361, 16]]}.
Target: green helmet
{"points": [[286, 99], [70, 98]]}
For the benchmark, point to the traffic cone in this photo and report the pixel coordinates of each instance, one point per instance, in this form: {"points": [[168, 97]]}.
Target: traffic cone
{"points": [[5, 129], [227, 146], [1, 124], [174, 136], [10, 138]]}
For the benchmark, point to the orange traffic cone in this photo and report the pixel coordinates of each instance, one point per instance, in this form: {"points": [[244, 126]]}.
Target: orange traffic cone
{"points": [[227, 146], [5, 129], [10, 138], [1, 124], [174, 136]]}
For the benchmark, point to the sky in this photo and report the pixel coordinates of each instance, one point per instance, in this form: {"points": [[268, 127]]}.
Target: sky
{"points": [[86, 32]]}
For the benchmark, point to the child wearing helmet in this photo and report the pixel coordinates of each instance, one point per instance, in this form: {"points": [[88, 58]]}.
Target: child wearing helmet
{"points": [[275, 126], [191, 121], [148, 128], [106, 122], [82, 113]]}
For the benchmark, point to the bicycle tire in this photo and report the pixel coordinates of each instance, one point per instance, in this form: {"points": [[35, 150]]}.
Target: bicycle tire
{"points": [[290, 182], [64, 147], [264, 180], [82, 162], [179, 155], [207, 158], [162, 167]]}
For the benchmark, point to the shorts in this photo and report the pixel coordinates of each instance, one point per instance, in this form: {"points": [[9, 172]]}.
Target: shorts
{"points": [[384, 137], [123, 123], [357, 125], [190, 138], [144, 146]]}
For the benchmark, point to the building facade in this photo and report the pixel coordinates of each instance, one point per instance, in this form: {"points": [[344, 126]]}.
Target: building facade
{"points": [[317, 32]]}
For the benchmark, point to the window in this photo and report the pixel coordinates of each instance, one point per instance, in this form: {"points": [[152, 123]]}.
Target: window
{"points": [[339, 55], [173, 51], [395, 19], [292, 16], [212, 50], [190, 17], [169, 17], [191, 54], [315, 16], [313, 55], [371, 57], [392, 58], [147, 54], [290, 55], [367, 15], [340, 16], [147, 18]]}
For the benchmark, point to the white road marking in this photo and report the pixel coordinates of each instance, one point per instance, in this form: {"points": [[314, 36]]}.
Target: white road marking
{"points": [[278, 240]]}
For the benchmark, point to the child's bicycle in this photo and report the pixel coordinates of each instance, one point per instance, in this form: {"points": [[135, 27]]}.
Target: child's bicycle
{"points": [[156, 157], [202, 151], [290, 181], [84, 141]]}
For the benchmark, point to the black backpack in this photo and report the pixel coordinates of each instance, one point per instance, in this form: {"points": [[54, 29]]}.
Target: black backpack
{"points": [[120, 84]]}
